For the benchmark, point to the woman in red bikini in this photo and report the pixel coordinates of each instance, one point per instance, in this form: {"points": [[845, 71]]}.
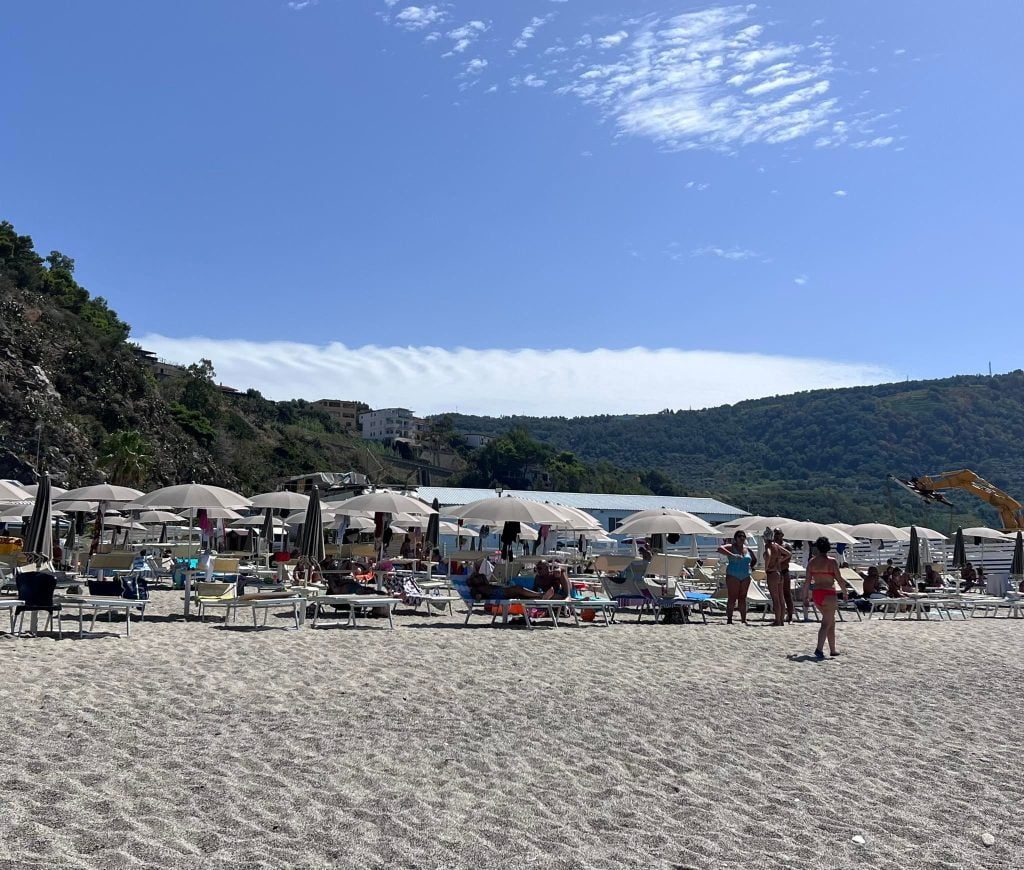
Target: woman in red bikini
{"points": [[822, 576]]}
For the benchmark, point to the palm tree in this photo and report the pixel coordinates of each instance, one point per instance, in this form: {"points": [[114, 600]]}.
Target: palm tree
{"points": [[127, 458]]}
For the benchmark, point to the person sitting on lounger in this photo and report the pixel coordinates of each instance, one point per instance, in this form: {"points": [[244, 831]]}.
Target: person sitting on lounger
{"points": [[482, 590], [899, 584], [553, 580], [873, 584], [969, 576]]}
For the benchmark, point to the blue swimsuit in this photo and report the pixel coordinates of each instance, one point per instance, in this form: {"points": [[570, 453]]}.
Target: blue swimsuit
{"points": [[739, 566]]}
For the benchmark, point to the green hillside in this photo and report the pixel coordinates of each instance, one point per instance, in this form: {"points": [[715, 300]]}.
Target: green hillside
{"points": [[823, 454], [76, 400]]}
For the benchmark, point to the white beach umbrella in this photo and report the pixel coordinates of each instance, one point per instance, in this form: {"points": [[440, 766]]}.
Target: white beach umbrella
{"points": [[409, 521], [158, 518], [675, 523], [192, 496], [986, 534], [577, 520], [876, 532], [845, 527], [446, 527], [509, 509], [381, 502], [216, 513], [359, 523], [105, 493], [754, 524], [528, 533], [281, 500], [122, 523], [808, 531], [922, 532], [255, 522], [55, 491], [85, 507], [12, 494]]}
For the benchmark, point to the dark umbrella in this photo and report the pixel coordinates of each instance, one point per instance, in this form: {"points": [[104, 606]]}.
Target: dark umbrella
{"points": [[434, 526], [163, 534], [1017, 565], [914, 554], [69, 542], [39, 538], [267, 530], [311, 544], [959, 551]]}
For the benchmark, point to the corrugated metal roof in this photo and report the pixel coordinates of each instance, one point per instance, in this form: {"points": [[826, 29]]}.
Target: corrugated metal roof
{"points": [[707, 508]]}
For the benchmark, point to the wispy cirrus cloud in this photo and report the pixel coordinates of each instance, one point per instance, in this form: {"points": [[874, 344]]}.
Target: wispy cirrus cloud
{"points": [[433, 380], [733, 253], [712, 79]]}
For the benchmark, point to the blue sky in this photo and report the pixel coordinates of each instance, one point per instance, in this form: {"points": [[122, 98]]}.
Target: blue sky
{"points": [[748, 189]]}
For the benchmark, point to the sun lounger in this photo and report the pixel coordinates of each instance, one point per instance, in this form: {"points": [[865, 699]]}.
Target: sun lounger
{"points": [[414, 595], [99, 604], [211, 595], [355, 603], [11, 605]]}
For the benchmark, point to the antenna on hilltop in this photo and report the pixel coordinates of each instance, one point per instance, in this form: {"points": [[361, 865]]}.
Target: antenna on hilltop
{"points": [[990, 369]]}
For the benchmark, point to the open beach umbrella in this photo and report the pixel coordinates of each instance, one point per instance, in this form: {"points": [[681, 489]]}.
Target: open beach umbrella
{"points": [[445, 527], [55, 491], [664, 523], [982, 533], [157, 518], [381, 501], [755, 524], [876, 532], [311, 542], [106, 493], [260, 521], [959, 550], [71, 507], [577, 520], [808, 531], [913, 555], [192, 496], [282, 500], [922, 532], [39, 532], [510, 509], [10, 494]]}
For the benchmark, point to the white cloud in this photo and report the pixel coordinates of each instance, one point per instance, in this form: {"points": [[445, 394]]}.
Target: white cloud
{"points": [[530, 31], [299, 5], [419, 17], [839, 193], [476, 65], [733, 253], [544, 382], [800, 279], [678, 82], [612, 39], [465, 35]]}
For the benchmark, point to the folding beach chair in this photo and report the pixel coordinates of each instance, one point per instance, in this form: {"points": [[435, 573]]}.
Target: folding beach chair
{"points": [[210, 595]]}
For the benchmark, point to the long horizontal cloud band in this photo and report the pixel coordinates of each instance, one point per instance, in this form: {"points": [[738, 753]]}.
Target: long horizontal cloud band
{"points": [[502, 382]]}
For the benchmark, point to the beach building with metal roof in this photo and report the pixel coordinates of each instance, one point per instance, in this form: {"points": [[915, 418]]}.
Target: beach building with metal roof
{"points": [[609, 508]]}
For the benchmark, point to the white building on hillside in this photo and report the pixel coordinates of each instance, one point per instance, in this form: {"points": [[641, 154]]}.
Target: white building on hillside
{"points": [[389, 424]]}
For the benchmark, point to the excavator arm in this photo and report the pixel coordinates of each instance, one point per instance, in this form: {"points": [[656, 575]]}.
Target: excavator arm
{"points": [[930, 487]]}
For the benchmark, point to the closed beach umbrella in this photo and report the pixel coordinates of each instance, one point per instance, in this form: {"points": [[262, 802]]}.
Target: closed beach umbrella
{"points": [[913, 555], [433, 534], [1017, 564], [311, 544], [959, 550], [39, 537]]}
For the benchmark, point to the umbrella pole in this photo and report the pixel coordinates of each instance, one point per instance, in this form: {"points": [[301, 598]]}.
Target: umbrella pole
{"points": [[188, 564]]}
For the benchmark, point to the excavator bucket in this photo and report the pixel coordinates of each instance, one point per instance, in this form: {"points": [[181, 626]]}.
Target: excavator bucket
{"points": [[923, 492]]}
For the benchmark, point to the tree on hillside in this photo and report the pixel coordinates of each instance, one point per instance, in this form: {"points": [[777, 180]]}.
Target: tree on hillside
{"points": [[127, 457]]}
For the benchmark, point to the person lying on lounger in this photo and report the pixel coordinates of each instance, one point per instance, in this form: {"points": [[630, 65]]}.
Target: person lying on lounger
{"points": [[482, 590]]}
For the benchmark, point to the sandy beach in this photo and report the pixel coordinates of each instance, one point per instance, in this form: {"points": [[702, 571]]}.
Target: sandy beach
{"points": [[435, 745]]}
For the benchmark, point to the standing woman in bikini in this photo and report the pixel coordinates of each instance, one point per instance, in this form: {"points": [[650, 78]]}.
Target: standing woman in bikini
{"points": [[737, 574], [776, 566], [822, 576]]}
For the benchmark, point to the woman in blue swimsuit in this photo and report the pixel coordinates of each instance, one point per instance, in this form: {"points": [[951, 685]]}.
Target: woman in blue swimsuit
{"points": [[742, 561]]}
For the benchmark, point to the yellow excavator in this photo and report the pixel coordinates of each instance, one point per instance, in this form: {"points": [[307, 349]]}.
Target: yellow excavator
{"points": [[931, 487]]}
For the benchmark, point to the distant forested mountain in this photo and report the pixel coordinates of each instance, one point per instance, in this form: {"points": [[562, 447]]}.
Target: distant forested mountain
{"points": [[824, 454]]}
